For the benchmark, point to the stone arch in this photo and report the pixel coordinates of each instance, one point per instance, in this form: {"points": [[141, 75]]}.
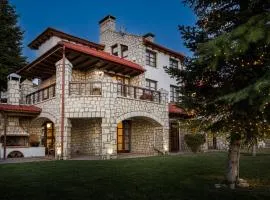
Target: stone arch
{"points": [[139, 114], [44, 116]]}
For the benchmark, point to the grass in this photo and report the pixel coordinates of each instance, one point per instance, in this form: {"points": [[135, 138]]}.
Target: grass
{"points": [[169, 177]]}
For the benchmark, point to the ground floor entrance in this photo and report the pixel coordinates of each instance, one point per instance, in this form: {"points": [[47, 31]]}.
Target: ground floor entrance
{"points": [[48, 138], [123, 136], [174, 137]]}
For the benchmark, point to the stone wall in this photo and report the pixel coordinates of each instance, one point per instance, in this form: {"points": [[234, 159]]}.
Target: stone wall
{"points": [[136, 49], [145, 136], [85, 136]]}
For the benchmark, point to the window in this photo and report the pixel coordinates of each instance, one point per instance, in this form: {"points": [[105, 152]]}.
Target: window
{"points": [[124, 51], [173, 63], [174, 93], [151, 84], [151, 58], [115, 50]]}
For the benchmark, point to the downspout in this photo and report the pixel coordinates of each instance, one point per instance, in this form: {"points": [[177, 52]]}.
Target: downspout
{"points": [[63, 104], [5, 135]]}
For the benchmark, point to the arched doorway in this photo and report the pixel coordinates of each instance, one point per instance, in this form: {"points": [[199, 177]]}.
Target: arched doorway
{"points": [[43, 129], [48, 137], [139, 135]]}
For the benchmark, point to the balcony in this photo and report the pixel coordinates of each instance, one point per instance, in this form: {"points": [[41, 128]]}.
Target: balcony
{"points": [[41, 95], [122, 90], [99, 89]]}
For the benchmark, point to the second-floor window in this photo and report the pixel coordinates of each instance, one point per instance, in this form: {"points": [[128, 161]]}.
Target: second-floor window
{"points": [[173, 63], [115, 50], [151, 84], [124, 51], [174, 93], [151, 58]]}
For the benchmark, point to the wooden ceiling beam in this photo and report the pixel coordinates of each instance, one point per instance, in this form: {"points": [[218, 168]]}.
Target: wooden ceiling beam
{"points": [[74, 58], [80, 61]]}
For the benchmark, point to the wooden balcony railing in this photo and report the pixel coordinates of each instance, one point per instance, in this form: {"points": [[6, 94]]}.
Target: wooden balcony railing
{"points": [[85, 88], [138, 93], [41, 95], [122, 90]]}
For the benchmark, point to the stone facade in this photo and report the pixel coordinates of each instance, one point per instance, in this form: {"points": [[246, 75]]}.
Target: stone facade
{"points": [[87, 124], [136, 49], [90, 121], [86, 136], [146, 135]]}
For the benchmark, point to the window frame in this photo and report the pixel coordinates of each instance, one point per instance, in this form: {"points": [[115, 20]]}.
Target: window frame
{"points": [[124, 50], [151, 61], [114, 47], [174, 93], [173, 62], [148, 86]]}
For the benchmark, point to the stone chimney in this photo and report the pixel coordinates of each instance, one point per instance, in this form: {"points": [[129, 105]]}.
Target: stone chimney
{"points": [[149, 36], [107, 23], [26, 88], [13, 89]]}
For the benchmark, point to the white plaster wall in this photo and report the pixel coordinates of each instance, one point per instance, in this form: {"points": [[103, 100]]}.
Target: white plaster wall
{"points": [[51, 42], [26, 151], [158, 73]]}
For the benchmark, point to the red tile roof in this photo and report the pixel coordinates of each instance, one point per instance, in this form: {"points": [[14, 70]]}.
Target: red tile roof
{"points": [[164, 49], [20, 108], [173, 108], [49, 32], [103, 55]]}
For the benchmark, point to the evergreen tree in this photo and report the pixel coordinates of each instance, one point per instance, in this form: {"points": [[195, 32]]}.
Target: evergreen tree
{"points": [[11, 36], [227, 80]]}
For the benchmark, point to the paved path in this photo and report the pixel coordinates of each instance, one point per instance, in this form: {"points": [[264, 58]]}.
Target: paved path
{"points": [[25, 160]]}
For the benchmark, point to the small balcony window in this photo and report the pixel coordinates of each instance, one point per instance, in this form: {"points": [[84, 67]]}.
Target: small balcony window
{"points": [[115, 50], [124, 51]]}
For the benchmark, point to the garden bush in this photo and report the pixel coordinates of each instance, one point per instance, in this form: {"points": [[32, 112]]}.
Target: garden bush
{"points": [[194, 141]]}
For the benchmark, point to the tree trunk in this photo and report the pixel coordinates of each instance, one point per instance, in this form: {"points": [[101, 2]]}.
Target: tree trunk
{"points": [[254, 149], [233, 163]]}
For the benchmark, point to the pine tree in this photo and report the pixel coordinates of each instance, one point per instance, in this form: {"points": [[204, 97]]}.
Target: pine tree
{"points": [[11, 36], [227, 80]]}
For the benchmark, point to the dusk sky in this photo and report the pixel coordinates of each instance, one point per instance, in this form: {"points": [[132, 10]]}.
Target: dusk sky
{"points": [[80, 18]]}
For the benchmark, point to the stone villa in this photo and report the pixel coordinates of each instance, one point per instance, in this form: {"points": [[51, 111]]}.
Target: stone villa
{"points": [[92, 99]]}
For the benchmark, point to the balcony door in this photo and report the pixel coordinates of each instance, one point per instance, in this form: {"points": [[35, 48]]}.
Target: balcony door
{"points": [[123, 137]]}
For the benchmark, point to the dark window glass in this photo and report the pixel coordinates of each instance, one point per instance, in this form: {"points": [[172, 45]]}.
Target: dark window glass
{"points": [[173, 63], [151, 58], [124, 51], [151, 84], [174, 93], [115, 50]]}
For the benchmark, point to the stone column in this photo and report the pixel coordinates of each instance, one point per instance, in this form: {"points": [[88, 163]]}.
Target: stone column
{"points": [[165, 118], [109, 126], [108, 139], [13, 89], [59, 93]]}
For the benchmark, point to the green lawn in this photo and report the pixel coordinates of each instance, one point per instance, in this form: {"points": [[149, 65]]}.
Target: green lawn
{"points": [[169, 177]]}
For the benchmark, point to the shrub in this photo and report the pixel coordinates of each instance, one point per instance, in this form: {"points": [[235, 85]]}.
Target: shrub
{"points": [[194, 141]]}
